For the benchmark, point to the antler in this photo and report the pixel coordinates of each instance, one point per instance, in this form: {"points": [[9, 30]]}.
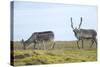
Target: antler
{"points": [[71, 23], [80, 23]]}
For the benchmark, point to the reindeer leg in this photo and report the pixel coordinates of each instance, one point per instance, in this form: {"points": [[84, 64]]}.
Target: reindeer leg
{"points": [[82, 44], [44, 45], [92, 43], [34, 45], [38, 45], [78, 44], [53, 45], [24, 46], [47, 44], [94, 40]]}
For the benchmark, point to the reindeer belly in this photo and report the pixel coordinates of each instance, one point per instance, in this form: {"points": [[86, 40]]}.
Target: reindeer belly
{"points": [[86, 36]]}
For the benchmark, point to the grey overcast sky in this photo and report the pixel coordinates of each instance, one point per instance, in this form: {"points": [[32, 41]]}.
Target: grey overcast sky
{"points": [[30, 17]]}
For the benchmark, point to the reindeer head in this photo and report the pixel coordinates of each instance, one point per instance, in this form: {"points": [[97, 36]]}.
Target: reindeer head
{"points": [[76, 29], [23, 43]]}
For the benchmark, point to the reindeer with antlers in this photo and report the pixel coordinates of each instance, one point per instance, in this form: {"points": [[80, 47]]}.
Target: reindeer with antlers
{"points": [[82, 34]]}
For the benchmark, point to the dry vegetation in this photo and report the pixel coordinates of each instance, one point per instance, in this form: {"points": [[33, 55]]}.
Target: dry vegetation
{"points": [[64, 52]]}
